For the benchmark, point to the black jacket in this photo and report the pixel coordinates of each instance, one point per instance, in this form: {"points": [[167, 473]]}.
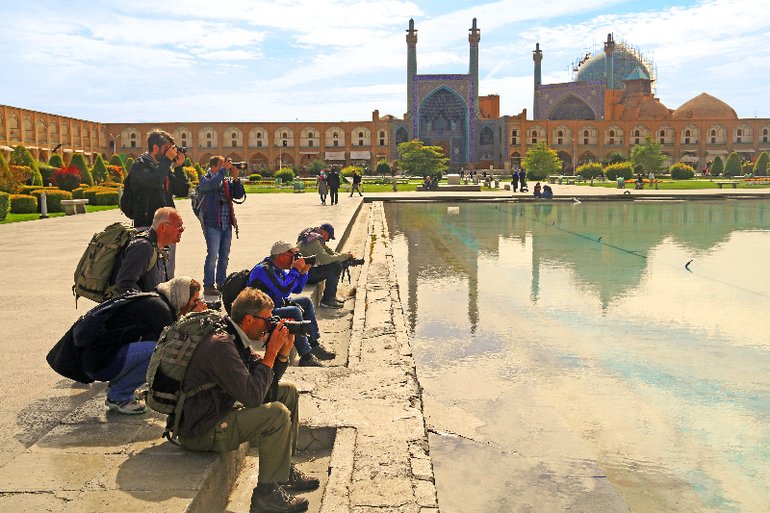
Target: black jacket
{"points": [[154, 186]]}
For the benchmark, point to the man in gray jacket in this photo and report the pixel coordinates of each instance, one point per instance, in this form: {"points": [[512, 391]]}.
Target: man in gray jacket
{"points": [[329, 263], [269, 415]]}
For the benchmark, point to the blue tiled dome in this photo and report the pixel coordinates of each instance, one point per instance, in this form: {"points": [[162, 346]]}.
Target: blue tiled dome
{"points": [[624, 64]]}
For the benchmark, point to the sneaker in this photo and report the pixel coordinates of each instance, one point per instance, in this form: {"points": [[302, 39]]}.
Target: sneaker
{"points": [[131, 407], [309, 360], [326, 304], [322, 353], [300, 482], [210, 290], [277, 501]]}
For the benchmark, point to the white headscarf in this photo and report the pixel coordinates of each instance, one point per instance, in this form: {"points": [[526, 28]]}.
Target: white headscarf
{"points": [[177, 292]]}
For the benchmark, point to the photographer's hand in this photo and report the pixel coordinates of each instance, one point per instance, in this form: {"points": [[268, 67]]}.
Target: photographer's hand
{"points": [[285, 351], [171, 153], [179, 159], [300, 265], [234, 171], [278, 338]]}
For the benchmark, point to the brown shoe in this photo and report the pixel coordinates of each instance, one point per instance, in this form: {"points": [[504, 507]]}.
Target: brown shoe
{"points": [[300, 482], [276, 501]]}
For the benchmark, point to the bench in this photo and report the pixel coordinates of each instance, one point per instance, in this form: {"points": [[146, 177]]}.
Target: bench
{"points": [[734, 183], [74, 206]]}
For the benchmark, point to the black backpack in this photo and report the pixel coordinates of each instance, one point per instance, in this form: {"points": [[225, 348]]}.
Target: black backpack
{"points": [[127, 203], [233, 286]]}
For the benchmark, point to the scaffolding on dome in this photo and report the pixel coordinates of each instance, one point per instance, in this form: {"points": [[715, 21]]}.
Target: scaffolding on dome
{"points": [[622, 45]]}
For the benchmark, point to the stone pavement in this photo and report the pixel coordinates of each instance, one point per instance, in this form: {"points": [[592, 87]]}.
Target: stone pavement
{"points": [[59, 449]]}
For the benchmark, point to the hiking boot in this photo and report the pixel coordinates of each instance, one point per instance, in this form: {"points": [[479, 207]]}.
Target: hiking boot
{"points": [[331, 304], [131, 407], [322, 353], [299, 481], [210, 290], [276, 501], [309, 360]]}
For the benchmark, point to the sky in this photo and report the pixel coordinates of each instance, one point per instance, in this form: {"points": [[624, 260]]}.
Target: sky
{"points": [[338, 60]]}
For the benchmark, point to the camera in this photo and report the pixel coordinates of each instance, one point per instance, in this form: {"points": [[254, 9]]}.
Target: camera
{"points": [[354, 262], [182, 150], [299, 328], [240, 165], [310, 259], [215, 304]]}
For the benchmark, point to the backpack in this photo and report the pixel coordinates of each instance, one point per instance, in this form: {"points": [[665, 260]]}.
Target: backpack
{"points": [[96, 266], [169, 363], [196, 201], [233, 286], [127, 199]]}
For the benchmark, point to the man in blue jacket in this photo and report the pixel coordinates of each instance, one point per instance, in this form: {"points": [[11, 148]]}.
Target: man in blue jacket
{"points": [[218, 220], [281, 274]]}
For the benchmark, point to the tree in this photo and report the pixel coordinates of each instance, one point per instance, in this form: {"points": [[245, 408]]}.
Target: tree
{"points": [[22, 157], [760, 166], [383, 168], [648, 156], [79, 161], [613, 157], [56, 161], [7, 183], [717, 167], [115, 160], [590, 170], [99, 171], [733, 165], [541, 161], [418, 159], [315, 167]]}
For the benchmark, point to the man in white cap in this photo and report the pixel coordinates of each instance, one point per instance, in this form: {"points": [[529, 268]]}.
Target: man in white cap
{"points": [[114, 341], [280, 275]]}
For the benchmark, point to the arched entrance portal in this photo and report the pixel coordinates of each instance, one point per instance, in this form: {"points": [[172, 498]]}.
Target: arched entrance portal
{"points": [[443, 119]]}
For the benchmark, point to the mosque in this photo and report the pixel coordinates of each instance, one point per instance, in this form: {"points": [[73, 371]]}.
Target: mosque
{"points": [[608, 107]]}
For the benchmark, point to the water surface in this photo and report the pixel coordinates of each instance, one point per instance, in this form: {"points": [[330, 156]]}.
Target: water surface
{"points": [[592, 357]]}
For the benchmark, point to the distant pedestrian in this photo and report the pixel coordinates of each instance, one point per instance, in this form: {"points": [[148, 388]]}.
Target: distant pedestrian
{"points": [[333, 181], [323, 188], [356, 184], [515, 181], [523, 181]]}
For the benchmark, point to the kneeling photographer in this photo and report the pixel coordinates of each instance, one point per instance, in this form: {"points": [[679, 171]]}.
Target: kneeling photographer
{"points": [[283, 273], [330, 264]]}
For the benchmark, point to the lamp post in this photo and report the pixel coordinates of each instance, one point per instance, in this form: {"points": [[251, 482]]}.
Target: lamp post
{"points": [[114, 144]]}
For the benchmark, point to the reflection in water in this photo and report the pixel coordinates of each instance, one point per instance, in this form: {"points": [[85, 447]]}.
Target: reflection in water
{"points": [[565, 342]]}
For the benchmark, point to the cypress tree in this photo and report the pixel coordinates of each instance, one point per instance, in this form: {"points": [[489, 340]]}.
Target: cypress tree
{"points": [[717, 166], [733, 165], [99, 171], [115, 160], [56, 161], [22, 157], [79, 161], [760, 166]]}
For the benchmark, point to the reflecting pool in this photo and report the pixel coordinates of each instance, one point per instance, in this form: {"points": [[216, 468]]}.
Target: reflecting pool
{"points": [[593, 356]]}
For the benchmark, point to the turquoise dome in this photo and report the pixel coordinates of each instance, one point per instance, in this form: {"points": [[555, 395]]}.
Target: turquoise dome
{"points": [[624, 63]]}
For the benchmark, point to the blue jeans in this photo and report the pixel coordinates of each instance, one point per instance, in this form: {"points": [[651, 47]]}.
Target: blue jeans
{"points": [[217, 254], [131, 373], [307, 313], [329, 272]]}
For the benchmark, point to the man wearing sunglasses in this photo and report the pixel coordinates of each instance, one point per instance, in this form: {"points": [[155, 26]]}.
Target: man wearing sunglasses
{"points": [[269, 415]]}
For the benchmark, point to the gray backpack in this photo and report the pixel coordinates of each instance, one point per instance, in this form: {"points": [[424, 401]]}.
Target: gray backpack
{"points": [[96, 266], [170, 360]]}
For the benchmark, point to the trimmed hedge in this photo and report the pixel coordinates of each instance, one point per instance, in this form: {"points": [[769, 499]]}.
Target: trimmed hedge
{"points": [[285, 174], [5, 204], [78, 193], [53, 198], [624, 169], [22, 157], [101, 196], [27, 189], [589, 170], [47, 173], [23, 204], [255, 177], [111, 185], [79, 161], [680, 171], [106, 198]]}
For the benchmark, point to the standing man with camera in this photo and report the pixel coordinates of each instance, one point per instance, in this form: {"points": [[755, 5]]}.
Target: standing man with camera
{"points": [[329, 263], [268, 417], [334, 186], [218, 220], [153, 181], [284, 273]]}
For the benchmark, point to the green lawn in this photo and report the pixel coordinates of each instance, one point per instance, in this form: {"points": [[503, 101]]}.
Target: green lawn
{"points": [[17, 218]]}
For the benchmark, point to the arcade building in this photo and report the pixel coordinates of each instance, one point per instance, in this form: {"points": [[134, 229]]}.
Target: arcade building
{"points": [[609, 106]]}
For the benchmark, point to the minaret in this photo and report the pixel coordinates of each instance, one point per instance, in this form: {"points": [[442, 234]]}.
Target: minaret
{"points": [[474, 36], [411, 64], [537, 56], [609, 49]]}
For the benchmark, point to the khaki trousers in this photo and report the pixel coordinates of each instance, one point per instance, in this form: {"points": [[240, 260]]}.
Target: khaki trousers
{"points": [[272, 428]]}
